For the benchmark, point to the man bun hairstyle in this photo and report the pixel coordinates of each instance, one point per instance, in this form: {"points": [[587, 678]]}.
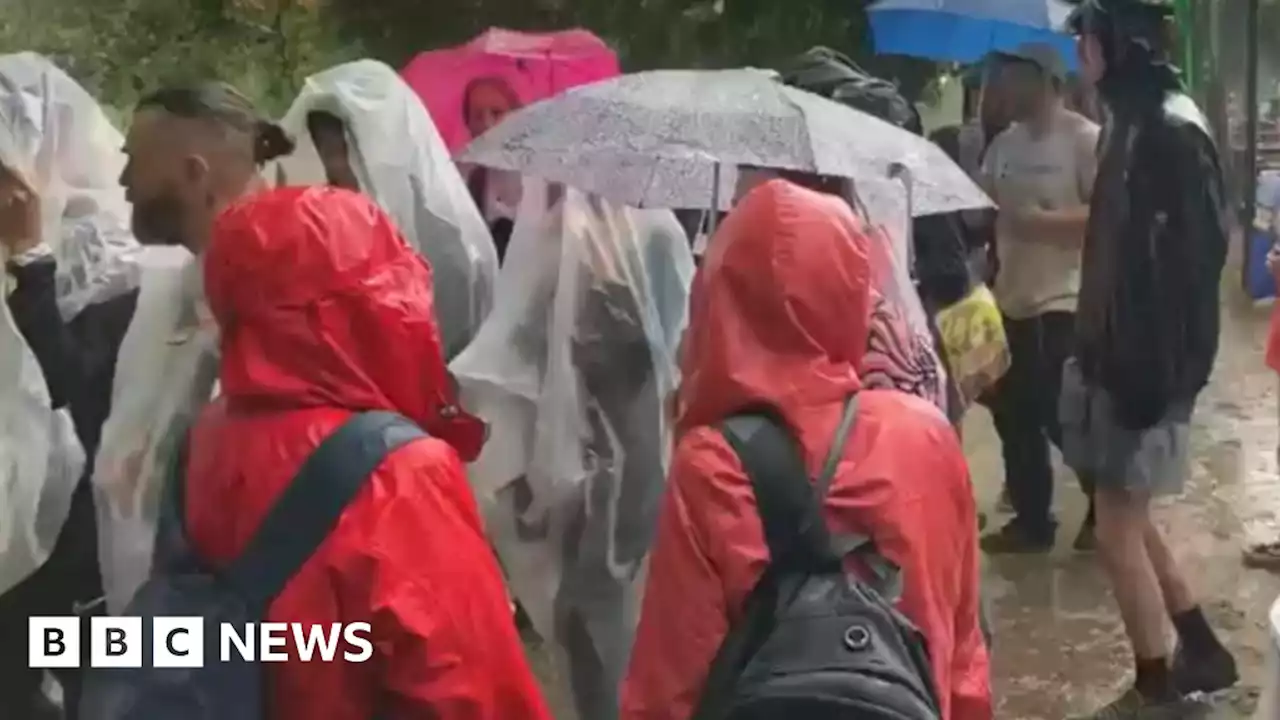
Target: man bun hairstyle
{"points": [[228, 110], [271, 142]]}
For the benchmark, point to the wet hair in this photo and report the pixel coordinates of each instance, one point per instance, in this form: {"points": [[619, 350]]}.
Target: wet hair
{"points": [[1130, 32], [228, 110]]}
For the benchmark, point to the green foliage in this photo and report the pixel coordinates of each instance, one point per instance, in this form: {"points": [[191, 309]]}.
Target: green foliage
{"points": [[122, 48], [646, 33]]}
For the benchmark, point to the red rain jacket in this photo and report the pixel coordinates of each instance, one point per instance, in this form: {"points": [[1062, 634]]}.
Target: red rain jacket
{"points": [[324, 311], [779, 316]]}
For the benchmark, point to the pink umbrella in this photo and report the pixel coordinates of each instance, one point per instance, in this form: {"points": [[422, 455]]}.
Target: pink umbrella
{"points": [[468, 88]]}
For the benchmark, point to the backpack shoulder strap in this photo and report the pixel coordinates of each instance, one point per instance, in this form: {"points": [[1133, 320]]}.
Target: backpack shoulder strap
{"points": [[309, 508], [171, 552], [789, 506], [791, 511], [785, 501], [887, 577]]}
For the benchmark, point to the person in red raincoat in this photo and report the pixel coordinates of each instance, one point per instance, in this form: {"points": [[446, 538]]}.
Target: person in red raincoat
{"points": [[780, 317], [324, 311]]}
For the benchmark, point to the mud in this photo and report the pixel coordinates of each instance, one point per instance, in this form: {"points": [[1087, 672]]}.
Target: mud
{"points": [[1060, 647]]}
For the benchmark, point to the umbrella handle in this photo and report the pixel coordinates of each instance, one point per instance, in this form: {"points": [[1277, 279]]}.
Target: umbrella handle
{"points": [[856, 200]]}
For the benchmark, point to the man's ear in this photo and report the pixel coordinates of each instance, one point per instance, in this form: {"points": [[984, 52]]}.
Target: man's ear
{"points": [[195, 169]]}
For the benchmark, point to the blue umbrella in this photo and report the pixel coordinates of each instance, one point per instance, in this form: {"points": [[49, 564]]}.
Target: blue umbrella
{"points": [[966, 30]]}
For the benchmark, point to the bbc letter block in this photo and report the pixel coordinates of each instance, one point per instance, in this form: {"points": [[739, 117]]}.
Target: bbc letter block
{"points": [[115, 642], [53, 642], [177, 642]]}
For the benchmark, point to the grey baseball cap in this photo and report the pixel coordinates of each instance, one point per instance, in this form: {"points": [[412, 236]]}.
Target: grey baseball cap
{"points": [[1042, 55]]}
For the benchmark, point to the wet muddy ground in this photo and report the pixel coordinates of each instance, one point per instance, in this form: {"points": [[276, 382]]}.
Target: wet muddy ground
{"points": [[1060, 647]]}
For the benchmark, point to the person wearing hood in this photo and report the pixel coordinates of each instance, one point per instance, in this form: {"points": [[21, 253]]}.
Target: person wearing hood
{"points": [[1146, 340], [938, 274], [360, 127], [574, 373], [69, 272], [325, 311], [780, 317], [191, 150], [901, 353]]}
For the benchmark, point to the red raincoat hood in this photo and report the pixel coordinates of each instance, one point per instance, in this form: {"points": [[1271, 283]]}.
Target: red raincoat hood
{"points": [[320, 302], [780, 310]]}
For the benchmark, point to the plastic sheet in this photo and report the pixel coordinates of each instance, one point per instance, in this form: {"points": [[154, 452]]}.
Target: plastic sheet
{"points": [[165, 374], [402, 163], [57, 140], [42, 459], [573, 372]]}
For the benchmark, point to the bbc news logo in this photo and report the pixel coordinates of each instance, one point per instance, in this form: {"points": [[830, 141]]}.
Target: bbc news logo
{"points": [[179, 642]]}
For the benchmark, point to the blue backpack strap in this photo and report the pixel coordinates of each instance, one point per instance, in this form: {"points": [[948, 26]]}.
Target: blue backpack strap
{"points": [[309, 508], [171, 552]]}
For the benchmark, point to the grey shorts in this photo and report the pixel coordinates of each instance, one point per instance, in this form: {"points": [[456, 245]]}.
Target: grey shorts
{"points": [[1152, 461]]}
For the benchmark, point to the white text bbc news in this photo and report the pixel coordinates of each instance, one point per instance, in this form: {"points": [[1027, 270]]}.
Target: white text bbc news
{"points": [[179, 642]]}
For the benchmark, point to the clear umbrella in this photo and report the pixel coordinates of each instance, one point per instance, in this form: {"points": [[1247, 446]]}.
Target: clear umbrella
{"points": [[659, 139]]}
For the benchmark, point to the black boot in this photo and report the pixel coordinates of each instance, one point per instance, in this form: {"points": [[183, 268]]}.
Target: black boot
{"points": [[1206, 672], [1201, 664]]}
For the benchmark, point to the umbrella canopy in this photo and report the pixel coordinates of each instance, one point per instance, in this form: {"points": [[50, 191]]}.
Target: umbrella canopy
{"points": [[655, 139], [501, 70], [965, 30]]}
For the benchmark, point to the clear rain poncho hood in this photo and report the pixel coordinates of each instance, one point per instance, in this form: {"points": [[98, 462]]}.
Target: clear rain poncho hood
{"points": [[573, 373], [402, 163], [57, 140]]}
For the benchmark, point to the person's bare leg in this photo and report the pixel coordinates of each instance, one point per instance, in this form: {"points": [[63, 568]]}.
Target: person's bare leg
{"points": [[1202, 664], [1122, 546], [1173, 584]]}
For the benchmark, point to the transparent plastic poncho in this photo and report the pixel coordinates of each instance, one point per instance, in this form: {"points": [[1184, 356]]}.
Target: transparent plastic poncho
{"points": [[166, 372], [402, 163], [573, 372], [57, 140]]}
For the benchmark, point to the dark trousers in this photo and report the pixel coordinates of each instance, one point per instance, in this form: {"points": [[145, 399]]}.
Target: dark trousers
{"points": [[1025, 409], [68, 577]]}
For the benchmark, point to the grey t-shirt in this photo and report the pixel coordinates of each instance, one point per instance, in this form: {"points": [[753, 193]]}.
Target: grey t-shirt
{"points": [[1050, 172]]}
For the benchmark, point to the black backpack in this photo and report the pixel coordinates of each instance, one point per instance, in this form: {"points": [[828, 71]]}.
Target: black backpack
{"points": [[813, 642], [823, 71], [183, 586]]}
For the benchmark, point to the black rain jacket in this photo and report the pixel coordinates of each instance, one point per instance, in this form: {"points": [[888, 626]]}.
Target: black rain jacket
{"points": [[1148, 331]]}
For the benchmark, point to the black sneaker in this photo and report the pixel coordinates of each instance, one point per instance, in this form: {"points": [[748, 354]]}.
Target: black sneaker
{"points": [[1207, 673], [1133, 705], [1012, 539]]}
